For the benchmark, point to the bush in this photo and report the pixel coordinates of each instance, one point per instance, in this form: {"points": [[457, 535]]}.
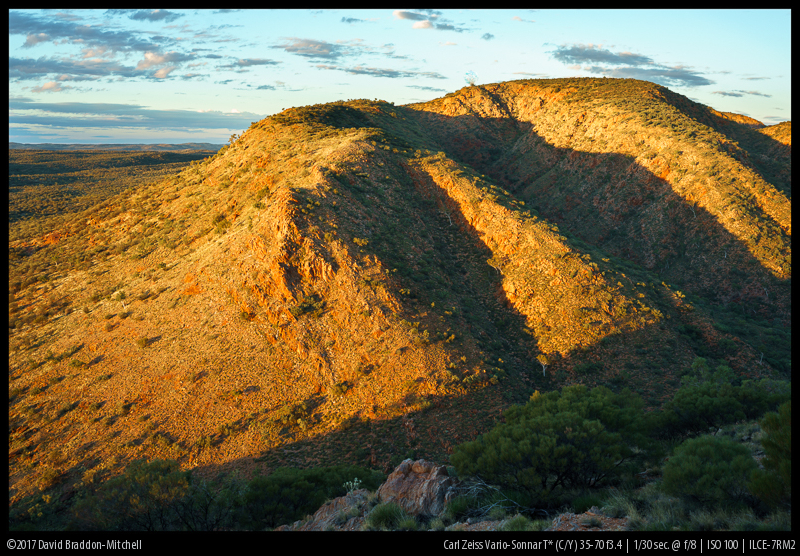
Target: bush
{"points": [[460, 507], [289, 494], [157, 496], [387, 515], [143, 499], [709, 470], [569, 439], [709, 399], [517, 523], [773, 484]]}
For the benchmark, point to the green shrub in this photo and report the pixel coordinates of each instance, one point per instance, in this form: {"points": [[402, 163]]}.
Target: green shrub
{"points": [[289, 494], [517, 523], [586, 501], [709, 470], [709, 400], [459, 508], [773, 484], [574, 438], [156, 496], [386, 515], [339, 389], [143, 499], [311, 304]]}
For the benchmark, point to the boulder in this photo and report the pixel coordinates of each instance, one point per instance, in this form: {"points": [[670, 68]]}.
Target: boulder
{"points": [[340, 514], [419, 487]]}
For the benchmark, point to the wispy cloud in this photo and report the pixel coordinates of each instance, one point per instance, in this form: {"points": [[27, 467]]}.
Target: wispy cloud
{"points": [[400, 14], [164, 72], [103, 48], [55, 115], [630, 65], [242, 64], [740, 93], [383, 72], [154, 15], [310, 48], [422, 88], [429, 19], [756, 93], [156, 59], [38, 29], [580, 54], [29, 68], [50, 87]]}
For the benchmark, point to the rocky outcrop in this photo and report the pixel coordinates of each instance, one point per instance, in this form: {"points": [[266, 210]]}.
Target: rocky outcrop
{"points": [[419, 487], [423, 488], [341, 514]]}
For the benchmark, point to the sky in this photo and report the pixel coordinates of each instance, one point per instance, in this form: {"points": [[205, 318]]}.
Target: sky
{"points": [[179, 76]]}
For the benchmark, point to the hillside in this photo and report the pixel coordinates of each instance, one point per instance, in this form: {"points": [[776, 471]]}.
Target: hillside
{"points": [[49, 187], [357, 282]]}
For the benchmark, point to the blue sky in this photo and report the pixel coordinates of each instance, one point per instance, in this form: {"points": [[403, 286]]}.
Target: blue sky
{"points": [[151, 76]]}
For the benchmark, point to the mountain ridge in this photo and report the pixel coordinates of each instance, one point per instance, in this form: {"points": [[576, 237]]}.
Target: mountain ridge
{"points": [[357, 280]]}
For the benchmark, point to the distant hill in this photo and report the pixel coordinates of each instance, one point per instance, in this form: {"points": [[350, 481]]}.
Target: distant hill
{"points": [[116, 147]]}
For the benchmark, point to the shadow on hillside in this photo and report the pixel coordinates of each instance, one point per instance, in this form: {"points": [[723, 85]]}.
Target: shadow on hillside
{"points": [[609, 201]]}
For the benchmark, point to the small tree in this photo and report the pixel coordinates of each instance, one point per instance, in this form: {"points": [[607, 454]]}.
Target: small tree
{"points": [[567, 439], [543, 361], [773, 484]]}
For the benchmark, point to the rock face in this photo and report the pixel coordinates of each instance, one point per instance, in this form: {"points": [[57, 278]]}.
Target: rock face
{"points": [[419, 487], [342, 514]]}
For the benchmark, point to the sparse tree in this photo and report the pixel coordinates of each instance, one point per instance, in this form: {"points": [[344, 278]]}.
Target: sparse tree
{"points": [[543, 361]]}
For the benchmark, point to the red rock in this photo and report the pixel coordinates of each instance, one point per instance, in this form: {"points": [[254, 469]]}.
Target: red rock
{"points": [[419, 487]]}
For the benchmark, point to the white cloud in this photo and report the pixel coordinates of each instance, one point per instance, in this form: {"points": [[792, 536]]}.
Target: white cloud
{"points": [[155, 59], [422, 25], [49, 87], [151, 59], [34, 39], [164, 72]]}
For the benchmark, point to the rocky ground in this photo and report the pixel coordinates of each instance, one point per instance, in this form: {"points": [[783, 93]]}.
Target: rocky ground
{"points": [[423, 489]]}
